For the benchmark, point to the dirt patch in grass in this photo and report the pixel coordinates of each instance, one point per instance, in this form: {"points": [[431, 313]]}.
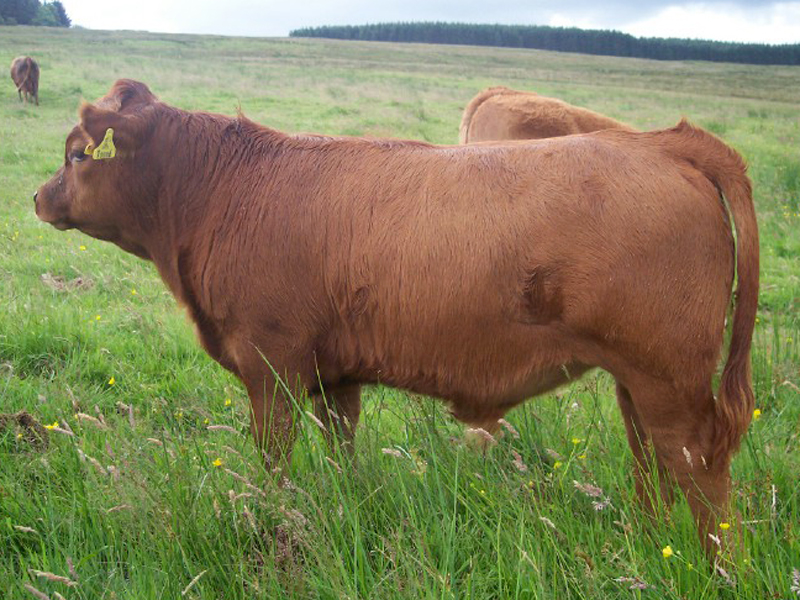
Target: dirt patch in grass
{"points": [[24, 429]]}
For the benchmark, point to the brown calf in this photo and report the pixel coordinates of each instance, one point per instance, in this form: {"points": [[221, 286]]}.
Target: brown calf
{"points": [[500, 113], [482, 274], [25, 73]]}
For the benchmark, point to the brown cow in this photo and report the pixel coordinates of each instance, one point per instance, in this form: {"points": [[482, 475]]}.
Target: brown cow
{"points": [[480, 274], [500, 113], [25, 73]]}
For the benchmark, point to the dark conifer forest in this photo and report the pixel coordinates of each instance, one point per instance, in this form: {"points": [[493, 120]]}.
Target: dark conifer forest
{"points": [[562, 39]]}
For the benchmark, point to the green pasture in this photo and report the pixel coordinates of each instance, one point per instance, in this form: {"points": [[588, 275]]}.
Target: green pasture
{"points": [[135, 498]]}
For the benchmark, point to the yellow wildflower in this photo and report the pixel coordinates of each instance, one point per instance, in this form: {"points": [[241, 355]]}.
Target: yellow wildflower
{"points": [[217, 463], [227, 401], [112, 381], [756, 414], [557, 464], [97, 317], [53, 426], [133, 291], [82, 247], [205, 421], [19, 436], [724, 526], [667, 551], [576, 441], [582, 457]]}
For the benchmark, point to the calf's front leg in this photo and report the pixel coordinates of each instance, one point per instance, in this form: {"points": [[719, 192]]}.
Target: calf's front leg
{"points": [[273, 388], [339, 409]]}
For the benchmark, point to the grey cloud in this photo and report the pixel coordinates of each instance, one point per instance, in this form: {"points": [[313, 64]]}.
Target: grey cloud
{"points": [[605, 14], [278, 17]]}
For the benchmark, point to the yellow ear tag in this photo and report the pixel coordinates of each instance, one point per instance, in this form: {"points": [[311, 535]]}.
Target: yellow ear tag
{"points": [[106, 149]]}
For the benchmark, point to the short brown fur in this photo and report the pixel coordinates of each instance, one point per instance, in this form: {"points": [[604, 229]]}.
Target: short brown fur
{"points": [[500, 113], [25, 73], [482, 275]]}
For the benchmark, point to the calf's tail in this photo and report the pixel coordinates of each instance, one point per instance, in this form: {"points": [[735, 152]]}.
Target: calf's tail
{"points": [[727, 170]]}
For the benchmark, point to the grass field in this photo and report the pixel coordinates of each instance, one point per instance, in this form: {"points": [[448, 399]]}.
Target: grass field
{"points": [[143, 501]]}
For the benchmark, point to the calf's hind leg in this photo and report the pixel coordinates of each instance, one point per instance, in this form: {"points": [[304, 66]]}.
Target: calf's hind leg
{"points": [[641, 446], [680, 424]]}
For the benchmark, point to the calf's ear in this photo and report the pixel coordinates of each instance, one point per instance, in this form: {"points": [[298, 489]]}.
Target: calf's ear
{"points": [[128, 129]]}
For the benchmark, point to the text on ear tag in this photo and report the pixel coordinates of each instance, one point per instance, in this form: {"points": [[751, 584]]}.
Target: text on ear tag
{"points": [[106, 149]]}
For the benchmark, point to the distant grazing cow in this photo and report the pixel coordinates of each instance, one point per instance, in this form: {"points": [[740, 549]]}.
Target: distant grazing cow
{"points": [[25, 73], [500, 113], [482, 275]]}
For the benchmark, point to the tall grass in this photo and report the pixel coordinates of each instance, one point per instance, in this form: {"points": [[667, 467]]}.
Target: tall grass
{"points": [[150, 487]]}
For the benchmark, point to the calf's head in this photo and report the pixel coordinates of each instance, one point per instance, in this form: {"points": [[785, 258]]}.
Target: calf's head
{"points": [[97, 190]]}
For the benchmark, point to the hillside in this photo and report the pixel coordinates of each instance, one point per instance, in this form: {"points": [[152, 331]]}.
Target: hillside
{"points": [[136, 506]]}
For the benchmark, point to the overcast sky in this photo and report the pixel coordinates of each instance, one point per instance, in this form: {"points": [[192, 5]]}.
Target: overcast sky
{"points": [[732, 20]]}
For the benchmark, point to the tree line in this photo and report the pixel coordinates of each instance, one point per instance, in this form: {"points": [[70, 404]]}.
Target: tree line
{"points": [[33, 12], [562, 39]]}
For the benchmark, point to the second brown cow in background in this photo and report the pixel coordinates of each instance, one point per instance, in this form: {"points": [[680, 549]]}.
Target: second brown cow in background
{"points": [[500, 113]]}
